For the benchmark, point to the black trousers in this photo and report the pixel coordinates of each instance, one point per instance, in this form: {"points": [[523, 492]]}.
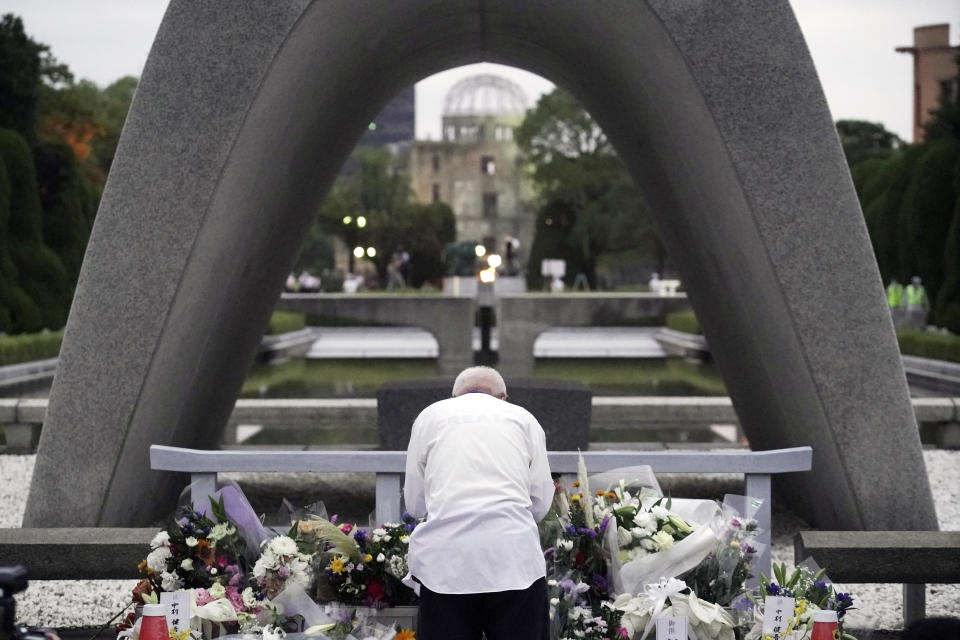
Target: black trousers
{"points": [[501, 615]]}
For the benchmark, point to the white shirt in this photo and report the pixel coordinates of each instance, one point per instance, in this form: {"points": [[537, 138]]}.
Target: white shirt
{"points": [[477, 468]]}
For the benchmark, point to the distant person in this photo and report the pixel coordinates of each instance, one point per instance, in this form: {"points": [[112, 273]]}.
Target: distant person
{"points": [[352, 282], [895, 301], [477, 469], [917, 304], [556, 285], [395, 279], [292, 283], [654, 283]]}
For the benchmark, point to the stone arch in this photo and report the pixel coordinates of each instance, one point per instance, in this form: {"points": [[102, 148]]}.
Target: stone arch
{"points": [[246, 110]]}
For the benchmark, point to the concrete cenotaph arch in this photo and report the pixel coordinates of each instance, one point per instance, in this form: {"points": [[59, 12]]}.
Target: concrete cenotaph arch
{"points": [[246, 111]]}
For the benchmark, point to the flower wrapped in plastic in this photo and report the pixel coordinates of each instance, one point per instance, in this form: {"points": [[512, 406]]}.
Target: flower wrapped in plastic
{"points": [[358, 566], [811, 590], [721, 576], [672, 597]]}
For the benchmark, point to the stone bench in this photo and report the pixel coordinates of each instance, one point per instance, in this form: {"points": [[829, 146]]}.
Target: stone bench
{"points": [[757, 467], [913, 558], [76, 553]]}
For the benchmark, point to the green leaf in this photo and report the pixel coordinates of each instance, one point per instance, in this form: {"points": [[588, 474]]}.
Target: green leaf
{"points": [[293, 530]]}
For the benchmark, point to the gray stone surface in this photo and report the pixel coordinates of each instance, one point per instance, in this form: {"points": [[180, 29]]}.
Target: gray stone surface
{"points": [[73, 553], [246, 110], [448, 318], [523, 317], [561, 407], [883, 556]]}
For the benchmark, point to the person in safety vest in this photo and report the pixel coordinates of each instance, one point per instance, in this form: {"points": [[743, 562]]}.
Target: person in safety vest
{"points": [[895, 301], [917, 304]]}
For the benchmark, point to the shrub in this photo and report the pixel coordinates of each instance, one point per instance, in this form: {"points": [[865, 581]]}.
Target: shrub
{"points": [[29, 346], [285, 322], [927, 344], [685, 321]]}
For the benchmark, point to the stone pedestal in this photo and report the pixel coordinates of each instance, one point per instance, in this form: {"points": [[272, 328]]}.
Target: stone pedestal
{"points": [[562, 407]]}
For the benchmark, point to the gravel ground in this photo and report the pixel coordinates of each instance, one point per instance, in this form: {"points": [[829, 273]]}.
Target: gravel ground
{"points": [[61, 603]]}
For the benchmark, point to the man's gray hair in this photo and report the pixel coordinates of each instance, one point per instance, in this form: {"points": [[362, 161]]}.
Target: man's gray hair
{"points": [[485, 379]]}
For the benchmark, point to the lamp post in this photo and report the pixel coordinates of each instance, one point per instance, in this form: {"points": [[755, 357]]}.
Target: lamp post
{"points": [[351, 235]]}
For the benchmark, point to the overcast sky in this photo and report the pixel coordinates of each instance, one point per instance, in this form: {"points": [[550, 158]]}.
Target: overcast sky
{"points": [[852, 43]]}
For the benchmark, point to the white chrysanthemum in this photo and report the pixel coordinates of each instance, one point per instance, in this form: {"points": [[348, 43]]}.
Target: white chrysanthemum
{"points": [[272, 632], [191, 541], [162, 539], [220, 531], [663, 539], [187, 565], [283, 546], [170, 582], [659, 512], [157, 559], [381, 557], [249, 600], [644, 520]]}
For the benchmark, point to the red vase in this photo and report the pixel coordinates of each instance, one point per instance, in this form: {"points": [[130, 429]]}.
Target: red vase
{"points": [[825, 625], [153, 624]]}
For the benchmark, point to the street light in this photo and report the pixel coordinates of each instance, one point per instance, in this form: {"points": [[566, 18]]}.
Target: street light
{"points": [[371, 252], [494, 260], [361, 222], [480, 250], [358, 252]]}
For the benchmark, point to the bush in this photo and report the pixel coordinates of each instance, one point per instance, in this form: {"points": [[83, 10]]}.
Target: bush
{"points": [[926, 344], [29, 346], [285, 322], [685, 321]]}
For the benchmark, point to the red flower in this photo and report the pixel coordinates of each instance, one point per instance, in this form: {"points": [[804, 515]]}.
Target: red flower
{"points": [[143, 588], [375, 589], [579, 558]]}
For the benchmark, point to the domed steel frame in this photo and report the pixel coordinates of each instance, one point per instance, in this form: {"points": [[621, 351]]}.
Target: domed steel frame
{"points": [[485, 95]]}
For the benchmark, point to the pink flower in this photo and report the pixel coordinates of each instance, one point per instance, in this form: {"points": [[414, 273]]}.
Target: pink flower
{"points": [[223, 561], [284, 571], [203, 597], [236, 599], [622, 632], [346, 527]]}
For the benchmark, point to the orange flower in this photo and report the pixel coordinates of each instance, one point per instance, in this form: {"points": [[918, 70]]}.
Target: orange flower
{"points": [[601, 492], [576, 483], [405, 634], [612, 495]]}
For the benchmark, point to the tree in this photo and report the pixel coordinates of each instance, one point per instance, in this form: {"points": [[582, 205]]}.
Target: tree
{"points": [[588, 206], [862, 140], [378, 192], [24, 64]]}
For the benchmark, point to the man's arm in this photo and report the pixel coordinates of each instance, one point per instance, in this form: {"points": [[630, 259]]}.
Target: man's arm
{"points": [[413, 490], [541, 483]]}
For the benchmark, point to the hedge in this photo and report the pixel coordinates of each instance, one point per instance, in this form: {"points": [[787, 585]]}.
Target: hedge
{"points": [[684, 321], [929, 344], [26, 347], [285, 322]]}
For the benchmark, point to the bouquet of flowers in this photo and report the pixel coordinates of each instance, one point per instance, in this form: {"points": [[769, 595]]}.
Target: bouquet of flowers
{"points": [[721, 576], [672, 597], [360, 567], [811, 592], [207, 557]]}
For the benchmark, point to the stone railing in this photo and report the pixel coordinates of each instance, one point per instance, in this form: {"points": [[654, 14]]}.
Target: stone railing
{"points": [[23, 417]]}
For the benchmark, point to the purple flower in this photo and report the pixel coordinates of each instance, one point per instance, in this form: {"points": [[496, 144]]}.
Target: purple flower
{"points": [[735, 522], [572, 530], [284, 571], [603, 525], [410, 527], [360, 536], [774, 589], [820, 584], [748, 549], [601, 582]]}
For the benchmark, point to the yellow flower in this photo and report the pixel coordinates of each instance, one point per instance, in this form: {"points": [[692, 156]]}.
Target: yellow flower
{"points": [[179, 635], [405, 634], [368, 558], [734, 543], [801, 608], [336, 565], [575, 498]]}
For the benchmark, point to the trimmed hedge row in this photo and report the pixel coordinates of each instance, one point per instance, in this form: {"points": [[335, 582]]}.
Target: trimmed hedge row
{"points": [[927, 344], [26, 347], [285, 322], [684, 321]]}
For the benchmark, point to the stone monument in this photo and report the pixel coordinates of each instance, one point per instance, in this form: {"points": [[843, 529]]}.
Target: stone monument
{"points": [[246, 110]]}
